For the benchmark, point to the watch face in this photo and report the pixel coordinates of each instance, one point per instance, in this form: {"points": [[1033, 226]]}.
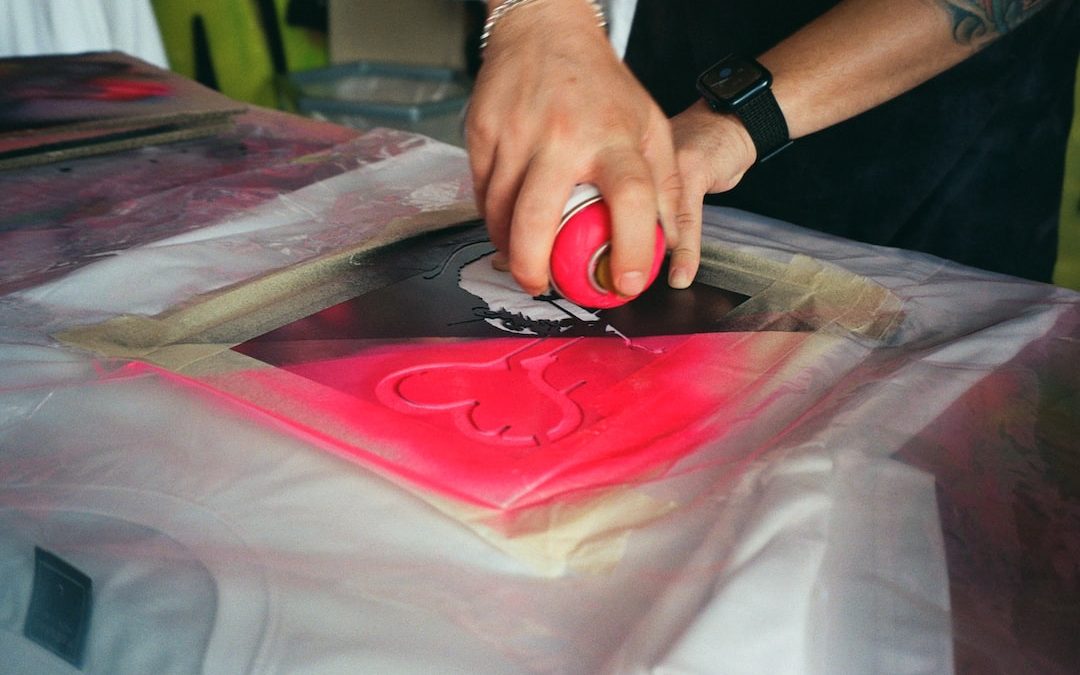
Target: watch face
{"points": [[733, 80]]}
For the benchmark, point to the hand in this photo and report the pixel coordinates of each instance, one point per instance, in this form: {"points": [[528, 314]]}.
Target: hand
{"points": [[553, 107], [713, 152]]}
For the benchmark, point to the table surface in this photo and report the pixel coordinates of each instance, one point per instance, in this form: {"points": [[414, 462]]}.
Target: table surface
{"points": [[889, 483]]}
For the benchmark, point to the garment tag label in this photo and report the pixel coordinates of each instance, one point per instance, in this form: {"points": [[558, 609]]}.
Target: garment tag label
{"points": [[60, 603]]}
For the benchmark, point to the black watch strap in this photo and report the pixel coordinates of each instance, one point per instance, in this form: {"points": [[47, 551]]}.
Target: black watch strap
{"points": [[765, 123]]}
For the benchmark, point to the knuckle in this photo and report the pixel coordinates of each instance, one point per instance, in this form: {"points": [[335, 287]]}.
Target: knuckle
{"points": [[685, 222], [671, 183], [726, 183], [633, 187], [480, 130], [561, 129]]}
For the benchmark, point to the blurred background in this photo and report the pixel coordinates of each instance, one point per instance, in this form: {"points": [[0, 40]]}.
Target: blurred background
{"points": [[406, 64]]}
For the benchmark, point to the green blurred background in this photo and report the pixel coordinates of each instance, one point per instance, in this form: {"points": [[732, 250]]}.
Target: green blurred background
{"points": [[1067, 270]]}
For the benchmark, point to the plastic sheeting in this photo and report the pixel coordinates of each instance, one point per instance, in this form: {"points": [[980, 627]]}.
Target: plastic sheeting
{"points": [[904, 500]]}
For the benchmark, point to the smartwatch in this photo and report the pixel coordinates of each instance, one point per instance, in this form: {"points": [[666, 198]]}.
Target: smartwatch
{"points": [[741, 86]]}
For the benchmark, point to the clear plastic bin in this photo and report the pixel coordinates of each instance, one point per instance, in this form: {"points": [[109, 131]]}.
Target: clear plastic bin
{"points": [[363, 95]]}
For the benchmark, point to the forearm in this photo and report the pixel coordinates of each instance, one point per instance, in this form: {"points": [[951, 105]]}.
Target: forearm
{"points": [[862, 53]]}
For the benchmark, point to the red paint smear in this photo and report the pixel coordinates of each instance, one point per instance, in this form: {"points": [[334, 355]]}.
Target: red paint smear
{"points": [[123, 89]]}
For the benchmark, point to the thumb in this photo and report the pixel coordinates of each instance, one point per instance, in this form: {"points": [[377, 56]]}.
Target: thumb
{"points": [[686, 249]]}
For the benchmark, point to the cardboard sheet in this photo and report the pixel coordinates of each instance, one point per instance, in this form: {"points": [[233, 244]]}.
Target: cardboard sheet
{"points": [[64, 106]]}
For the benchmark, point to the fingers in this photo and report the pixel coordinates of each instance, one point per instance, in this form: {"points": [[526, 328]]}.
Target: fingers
{"points": [[523, 216], [680, 208], [480, 164], [686, 248], [500, 261], [712, 152], [625, 179], [482, 141], [548, 182], [523, 200], [659, 153], [685, 234], [502, 194]]}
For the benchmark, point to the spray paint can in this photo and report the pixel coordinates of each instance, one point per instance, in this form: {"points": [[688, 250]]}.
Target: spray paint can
{"points": [[580, 265]]}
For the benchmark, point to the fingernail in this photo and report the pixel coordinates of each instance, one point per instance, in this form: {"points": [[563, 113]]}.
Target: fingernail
{"points": [[500, 261], [679, 278], [631, 283]]}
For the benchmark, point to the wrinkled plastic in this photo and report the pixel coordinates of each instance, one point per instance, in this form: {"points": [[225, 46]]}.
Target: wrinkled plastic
{"points": [[58, 217], [890, 490]]}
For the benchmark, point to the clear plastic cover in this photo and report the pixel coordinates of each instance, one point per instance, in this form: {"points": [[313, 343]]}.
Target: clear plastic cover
{"points": [[871, 468]]}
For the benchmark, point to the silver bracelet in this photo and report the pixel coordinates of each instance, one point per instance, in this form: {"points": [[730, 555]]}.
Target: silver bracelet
{"points": [[506, 5]]}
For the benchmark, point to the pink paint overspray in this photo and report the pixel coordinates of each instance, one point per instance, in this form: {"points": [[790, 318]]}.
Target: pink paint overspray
{"points": [[580, 255], [503, 400]]}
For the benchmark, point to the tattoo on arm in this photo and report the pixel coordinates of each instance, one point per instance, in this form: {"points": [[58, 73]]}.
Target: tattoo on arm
{"points": [[975, 22]]}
